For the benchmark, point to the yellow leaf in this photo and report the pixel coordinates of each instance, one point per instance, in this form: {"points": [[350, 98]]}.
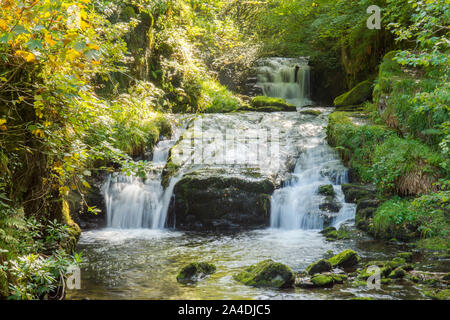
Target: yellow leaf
{"points": [[49, 40], [72, 54], [93, 46], [2, 121], [28, 56]]}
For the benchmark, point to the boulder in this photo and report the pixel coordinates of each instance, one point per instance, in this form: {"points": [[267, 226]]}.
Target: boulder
{"points": [[365, 210], [323, 280], [318, 267], [205, 200], [356, 96], [354, 192], [326, 190], [346, 259], [397, 274], [330, 205], [267, 274], [195, 271]]}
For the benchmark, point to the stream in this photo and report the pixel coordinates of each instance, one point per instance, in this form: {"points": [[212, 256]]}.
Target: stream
{"points": [[138, 256]]}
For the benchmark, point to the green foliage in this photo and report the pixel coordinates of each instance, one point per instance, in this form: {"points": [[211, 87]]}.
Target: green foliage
{"points": [[355, 143], [405, 159], [423, 217], [37, 277]]}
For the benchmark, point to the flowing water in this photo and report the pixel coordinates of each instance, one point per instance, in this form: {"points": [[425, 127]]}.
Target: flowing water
{"points": [[138, 257]]}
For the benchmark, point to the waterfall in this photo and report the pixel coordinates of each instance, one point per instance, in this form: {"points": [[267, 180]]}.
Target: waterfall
{"points": [[287, 78], [133, 202], [297, 204]]}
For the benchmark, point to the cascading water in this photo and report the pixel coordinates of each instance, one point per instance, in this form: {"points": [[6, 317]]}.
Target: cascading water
{"points": [[287, 78], [133, 202], [297, 205]]}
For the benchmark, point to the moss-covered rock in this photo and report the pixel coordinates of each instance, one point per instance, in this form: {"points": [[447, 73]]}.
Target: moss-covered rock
{"points": [[267, 274], [269, 103], [346, 259], [311, 112], [407, 256], [398, 273], [360, 93], [322, 280], [326, 190], [327, 230], [354, 192], [195, 271], [318, 267], [207, 200]]}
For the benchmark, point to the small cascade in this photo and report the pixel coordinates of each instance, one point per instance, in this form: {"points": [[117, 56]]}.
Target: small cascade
{"points": [[133, 202], [297, 204], [287, 78]]}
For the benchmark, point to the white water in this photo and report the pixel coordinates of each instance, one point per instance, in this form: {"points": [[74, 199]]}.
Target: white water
{"points": [[287, 78], [133, 202]]}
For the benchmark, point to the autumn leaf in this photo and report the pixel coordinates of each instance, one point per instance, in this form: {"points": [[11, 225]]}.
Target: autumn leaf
{"points": [[28, 56]]}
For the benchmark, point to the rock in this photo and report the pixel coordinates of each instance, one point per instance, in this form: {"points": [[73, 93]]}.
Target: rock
{"points": [[346, 259], [222, 202], [407, 256], [339, 278], [318, 267], [264, 102], [397, 274], [330, 205], [326, 190], [331, 236], [267, 274], [365, 210], [354, 192], [195, 271], [311, 112], [327, 230], [360, 93], [322, 280]]}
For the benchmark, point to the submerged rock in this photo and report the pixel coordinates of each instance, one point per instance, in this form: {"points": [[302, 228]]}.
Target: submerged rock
{"points": [[195, 271], [346, 259], [318, 267], [267, 274]]}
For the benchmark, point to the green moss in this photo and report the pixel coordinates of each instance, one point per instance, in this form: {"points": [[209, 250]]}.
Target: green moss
{"points": [[263, 101], [346, 259], [267, 274], [318, 267], [311, 112], [322, 280], [355, 96], [194, 271], [326, 190], [397, 274], [438, 294], [405, 255]]}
